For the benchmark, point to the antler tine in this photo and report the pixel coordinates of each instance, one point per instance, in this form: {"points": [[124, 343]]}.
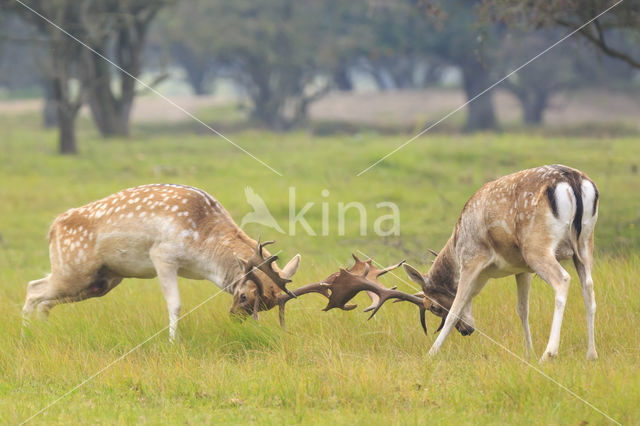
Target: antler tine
{"points": [[386, 294], [366, 270], [325, 288], [266, 266], [390, 268], [374, 274], [433, 252], [319, 287], [262, 245], [346, 285]]}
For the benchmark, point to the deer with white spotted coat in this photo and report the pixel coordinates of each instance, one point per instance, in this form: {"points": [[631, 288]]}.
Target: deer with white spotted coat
{"points": [[519, 224], [156, 230]]}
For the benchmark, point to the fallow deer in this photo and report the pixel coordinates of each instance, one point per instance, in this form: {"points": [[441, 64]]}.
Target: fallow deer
{"points": [[156, 230], [519, 224]]}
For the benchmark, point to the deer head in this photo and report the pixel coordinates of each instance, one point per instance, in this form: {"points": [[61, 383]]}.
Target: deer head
{"points": [[261, 282], [439, 287]]}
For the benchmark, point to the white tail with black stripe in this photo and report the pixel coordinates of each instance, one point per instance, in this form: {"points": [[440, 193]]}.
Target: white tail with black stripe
{"points": [[519, 224]]}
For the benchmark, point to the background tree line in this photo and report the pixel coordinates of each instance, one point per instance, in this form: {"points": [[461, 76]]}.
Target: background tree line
{"points": [[282, 55]]}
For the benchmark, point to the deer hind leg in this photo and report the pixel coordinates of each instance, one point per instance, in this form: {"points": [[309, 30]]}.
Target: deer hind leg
{"points": [[523, 281], [584, 273], [469, 285], [168, 276], [36, 293], [41, 297], [548, 268], [45, 293]]}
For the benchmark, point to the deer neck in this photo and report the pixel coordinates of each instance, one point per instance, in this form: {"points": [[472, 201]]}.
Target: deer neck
{"points": [[224, 249], [444, 271]]}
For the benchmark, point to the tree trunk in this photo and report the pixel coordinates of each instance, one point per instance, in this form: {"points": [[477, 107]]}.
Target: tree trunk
{"points": [[195, 68], [533, 107], [49, 112], [196, 78], [480, 112], [67, 136], [66, 110], [107, 114], [342, 79], [111, 111], [107, 111]]}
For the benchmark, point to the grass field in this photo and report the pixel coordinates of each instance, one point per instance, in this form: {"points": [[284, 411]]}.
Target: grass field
{"points": [[330, 368]]}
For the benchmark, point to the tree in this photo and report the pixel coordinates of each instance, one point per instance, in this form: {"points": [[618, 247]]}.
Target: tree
{"points": [[283, 54], [399, 48], [62, 70], [623, 19], [283, 51], [458, 40], [534, 84], [116, 29], [188, 32]]}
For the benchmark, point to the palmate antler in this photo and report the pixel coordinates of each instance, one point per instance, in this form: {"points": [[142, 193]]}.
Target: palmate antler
{"points": [[373, 274], [342, 286]]}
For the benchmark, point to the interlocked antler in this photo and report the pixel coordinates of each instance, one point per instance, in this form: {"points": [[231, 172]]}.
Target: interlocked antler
{"points": [[265, 265], [342, 286], [372, 275]]}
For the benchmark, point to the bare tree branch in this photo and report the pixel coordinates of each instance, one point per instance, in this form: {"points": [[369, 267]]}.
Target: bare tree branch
{"points": [[598, 40]]}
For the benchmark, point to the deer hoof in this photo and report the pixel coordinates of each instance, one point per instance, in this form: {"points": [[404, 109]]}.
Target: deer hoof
{"points": [[548, 356]]}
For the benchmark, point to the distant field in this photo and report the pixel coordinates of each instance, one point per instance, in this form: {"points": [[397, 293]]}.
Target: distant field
{"points": [[583, 112], [331, 368]]}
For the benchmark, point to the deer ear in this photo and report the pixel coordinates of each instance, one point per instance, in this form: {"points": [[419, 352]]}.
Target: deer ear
{"points": [[414, 274], [291, 267]]}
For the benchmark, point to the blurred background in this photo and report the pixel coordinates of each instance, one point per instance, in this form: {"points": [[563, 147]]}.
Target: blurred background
{"points": [[328, 66]]}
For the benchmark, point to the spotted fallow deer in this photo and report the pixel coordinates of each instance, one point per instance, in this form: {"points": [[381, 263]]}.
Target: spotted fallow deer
{"points": [[519, 224], [156, 230]]}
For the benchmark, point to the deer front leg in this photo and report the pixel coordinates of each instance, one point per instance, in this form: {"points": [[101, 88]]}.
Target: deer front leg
{"points": [[523, 281], [470, 284], [168, 277]]}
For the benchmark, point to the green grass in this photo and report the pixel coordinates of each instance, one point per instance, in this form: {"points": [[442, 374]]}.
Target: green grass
{"points": [[330, 367]]}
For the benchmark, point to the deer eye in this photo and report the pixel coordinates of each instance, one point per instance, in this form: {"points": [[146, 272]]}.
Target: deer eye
{"points": [[243, 297]]}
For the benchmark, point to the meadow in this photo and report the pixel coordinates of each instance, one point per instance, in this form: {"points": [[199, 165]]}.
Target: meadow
{"points": [[326, 368]]}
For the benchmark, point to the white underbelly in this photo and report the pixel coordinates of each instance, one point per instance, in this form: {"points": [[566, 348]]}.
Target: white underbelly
{"points": [[126, 257]]}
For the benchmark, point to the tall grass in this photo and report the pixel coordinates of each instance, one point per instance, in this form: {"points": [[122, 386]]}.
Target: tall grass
{"points": [[330, 367]]}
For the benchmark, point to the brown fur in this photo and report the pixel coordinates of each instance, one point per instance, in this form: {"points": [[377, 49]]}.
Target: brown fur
{"points": [[143, 232], [509, 227]]}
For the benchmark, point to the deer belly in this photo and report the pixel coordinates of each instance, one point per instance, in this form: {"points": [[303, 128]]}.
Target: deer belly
{"points": [[503, 266], [127, 257]]}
